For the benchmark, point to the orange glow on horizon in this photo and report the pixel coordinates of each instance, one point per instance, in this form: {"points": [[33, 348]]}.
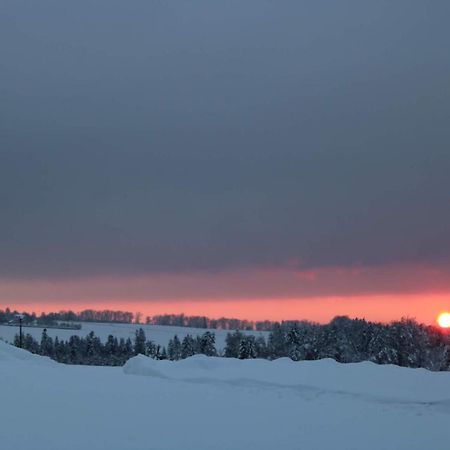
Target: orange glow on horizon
{"points": [[384, 308]]}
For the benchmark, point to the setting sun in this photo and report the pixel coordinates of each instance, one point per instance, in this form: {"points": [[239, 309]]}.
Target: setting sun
{"points": [[444, 320]]}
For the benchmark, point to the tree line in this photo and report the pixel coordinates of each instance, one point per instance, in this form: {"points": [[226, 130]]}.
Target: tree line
{"points": [[90, 350], [404, 343], [223, 323], [112, 316], [55, 318]]}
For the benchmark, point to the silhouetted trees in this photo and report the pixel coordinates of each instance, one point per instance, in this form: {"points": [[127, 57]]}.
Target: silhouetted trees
{"points": [[64, 318], [110, 316], [405, 343], [223, 323], [90, 350]]}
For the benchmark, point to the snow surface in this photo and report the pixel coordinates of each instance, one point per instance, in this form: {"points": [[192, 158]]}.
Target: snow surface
{"points": [[160, 334], [219, 404], [383, 383]]}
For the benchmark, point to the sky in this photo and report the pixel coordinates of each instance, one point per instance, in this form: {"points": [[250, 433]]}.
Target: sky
{"points": [[248, 158]]}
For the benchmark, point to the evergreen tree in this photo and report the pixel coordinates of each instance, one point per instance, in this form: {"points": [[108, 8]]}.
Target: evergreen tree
{"points": [[74, 350], [17, 340], [187, 347], [111, 346], [174, 349], [438, 350], [46, 347], [261, 347], [139, 342], [60, 353], [232, 344], [128, 353], [247, 348], [294, 342], [92, 349], [207, 344], [152, 350], [30, 344], [381, 347], [163, 354], [277, 346], [410, 341]]}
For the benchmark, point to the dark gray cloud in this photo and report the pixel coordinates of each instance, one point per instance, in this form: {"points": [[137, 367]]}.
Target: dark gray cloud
{"points": [[200, 135]]}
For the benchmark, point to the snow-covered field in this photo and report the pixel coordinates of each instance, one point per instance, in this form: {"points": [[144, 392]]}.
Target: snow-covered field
{"points": [[158, 333], [213, 403]]}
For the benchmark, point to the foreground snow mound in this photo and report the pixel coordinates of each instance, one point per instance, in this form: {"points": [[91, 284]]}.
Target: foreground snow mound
{"points": [[220, 404], [10, 353], [374, 381]]}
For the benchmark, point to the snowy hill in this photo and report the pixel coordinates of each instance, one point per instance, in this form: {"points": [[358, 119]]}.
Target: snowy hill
{"points": [[158, 333], [220, 404]]}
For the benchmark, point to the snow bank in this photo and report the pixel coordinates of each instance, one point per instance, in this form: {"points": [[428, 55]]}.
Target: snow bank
{"points": [[10, 353], [219, 404], [384, 383]]}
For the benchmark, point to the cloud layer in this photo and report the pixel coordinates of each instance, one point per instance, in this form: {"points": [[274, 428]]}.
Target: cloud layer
{"points": [[208, 137]]}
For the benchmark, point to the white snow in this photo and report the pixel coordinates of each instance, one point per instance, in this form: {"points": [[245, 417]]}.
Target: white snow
{"points": [[220, 404], [157, 333], [388, 382], [9, 353]]}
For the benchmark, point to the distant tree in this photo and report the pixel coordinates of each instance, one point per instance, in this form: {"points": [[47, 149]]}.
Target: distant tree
{"points": [[174, 349], [46, 347], [74, 350], [16, 340], [139, 342], [60, 352], [261, 347], [277, 346], [111, 346], [128, 349], [438, 350], [30, 344], [188, 347], [207, 344], [92, 349], [163, 354], [111, 354], [151, 349], [410, 341], [232, 344], [247, 348], [294, 342]]}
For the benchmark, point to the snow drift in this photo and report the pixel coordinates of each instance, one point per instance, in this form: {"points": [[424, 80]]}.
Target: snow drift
{"points": [[206, 403], [9, 353], [385, 382]]}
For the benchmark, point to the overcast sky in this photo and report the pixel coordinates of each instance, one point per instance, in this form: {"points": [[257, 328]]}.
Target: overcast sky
{"points": [[206, 136]]}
